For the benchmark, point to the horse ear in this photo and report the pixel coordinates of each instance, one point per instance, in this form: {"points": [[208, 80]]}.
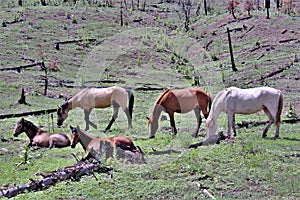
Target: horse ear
{"points": [[22, 119], [148, 118], [68, 98], [71, 127]]}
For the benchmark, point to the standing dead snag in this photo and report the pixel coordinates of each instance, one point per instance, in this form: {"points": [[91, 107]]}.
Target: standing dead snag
{"points": [[248, 6], [205, 7], [186, 6], [232, 4], [267, 6], [231, 52]]}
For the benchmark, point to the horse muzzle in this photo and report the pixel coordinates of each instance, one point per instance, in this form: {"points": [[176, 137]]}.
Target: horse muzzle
{"points": [[59, 123]]}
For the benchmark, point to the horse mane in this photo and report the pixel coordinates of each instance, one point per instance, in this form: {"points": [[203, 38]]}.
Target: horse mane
{"points": [[219, 97], [161, 96], [30, 125]]}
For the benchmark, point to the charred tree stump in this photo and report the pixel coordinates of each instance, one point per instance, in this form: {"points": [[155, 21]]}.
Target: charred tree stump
{"points": [[231, 51], [43, 2], [22, 99]]}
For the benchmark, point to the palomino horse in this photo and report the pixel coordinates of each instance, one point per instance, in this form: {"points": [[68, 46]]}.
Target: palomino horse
{"points": [[95, 147], [90, 98], [39, 137], [246, 101], [180, 101]]}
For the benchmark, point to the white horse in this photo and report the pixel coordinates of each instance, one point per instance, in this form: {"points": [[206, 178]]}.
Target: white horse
{"points": [[246, 101]]}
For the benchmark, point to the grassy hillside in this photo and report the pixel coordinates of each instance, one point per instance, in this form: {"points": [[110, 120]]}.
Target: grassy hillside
{"points": [[151, 49]]}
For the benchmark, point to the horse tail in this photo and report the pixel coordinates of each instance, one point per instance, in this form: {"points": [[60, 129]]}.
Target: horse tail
{"points": [[131, 102], [279, 109], [209, 103]]}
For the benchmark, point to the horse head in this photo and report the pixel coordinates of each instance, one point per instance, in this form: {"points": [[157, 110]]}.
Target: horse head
{"points": [[74, 137], [62, 113], [19, 128], [153, 126], [211, 126]]}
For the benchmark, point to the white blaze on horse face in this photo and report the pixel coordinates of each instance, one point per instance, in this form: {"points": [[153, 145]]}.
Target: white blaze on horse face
{"points": [[153, 126], [211, 127]]}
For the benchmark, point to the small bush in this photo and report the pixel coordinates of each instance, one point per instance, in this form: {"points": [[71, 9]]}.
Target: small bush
{"points": [[291, 113]]}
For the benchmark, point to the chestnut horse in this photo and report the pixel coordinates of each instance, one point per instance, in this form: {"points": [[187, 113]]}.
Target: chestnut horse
{"points": [[180, 101], [95, 147], [90, 98], [246, 101], [39, 137]]}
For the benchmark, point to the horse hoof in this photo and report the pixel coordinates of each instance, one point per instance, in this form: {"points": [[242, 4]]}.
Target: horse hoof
{"points": [[264, 135], [151, 137], [275, 137]]}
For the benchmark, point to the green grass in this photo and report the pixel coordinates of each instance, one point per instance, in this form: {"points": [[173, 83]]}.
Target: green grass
{"points": [[139, 54]]}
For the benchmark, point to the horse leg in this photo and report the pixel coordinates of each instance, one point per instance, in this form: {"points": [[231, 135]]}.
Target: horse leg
{"points": [[51, 143], [87, 119], [115, 115], [277, 124], [233, 125], [230, 122], [199, 120], [126, 110], [172, 122], [271, 120]]}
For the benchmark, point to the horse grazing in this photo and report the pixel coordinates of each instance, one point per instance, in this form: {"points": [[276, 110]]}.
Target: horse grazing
{"points": [[90, 98], [95, 147], [180, 101], [246, 101], [39, 137]]}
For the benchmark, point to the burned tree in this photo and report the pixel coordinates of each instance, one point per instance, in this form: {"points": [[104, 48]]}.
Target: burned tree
{"points": [[186, 6], [248, 6], [231, 52], [267, 6], [232, 4]]}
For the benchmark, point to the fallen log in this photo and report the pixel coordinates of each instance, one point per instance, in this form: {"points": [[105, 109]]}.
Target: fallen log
{"points": [[246, 124], [287, 40], [71, 172], [18, 68], [72, 41], [38, 112]]}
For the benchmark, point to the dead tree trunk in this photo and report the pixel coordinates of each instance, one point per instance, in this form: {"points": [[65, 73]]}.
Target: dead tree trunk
{"points": [[231, 51], [121, 13], [267, 6], [205, 7]]}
